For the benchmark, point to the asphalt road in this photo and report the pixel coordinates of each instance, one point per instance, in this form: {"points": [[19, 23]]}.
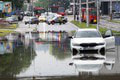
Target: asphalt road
{"points": [[57, 27], [22, 28]]}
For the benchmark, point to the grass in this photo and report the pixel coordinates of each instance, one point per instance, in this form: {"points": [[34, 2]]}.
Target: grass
{"points": [[83, 25], [114, 21], [4, 32], [8, 26]]}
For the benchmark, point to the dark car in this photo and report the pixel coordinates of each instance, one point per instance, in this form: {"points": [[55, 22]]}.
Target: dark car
{"points": [[3, 21], [60, 20], [32, 21], [116, 15]]}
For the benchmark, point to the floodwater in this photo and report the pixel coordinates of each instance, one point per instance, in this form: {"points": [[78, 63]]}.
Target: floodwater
{"points": [[48, 55]]}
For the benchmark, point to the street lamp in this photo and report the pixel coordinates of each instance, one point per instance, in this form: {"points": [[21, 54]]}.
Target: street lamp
{"points": [[74, 3]]}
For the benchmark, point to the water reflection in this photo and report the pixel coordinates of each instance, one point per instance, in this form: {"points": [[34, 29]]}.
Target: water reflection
{"points": [[19, 58], [58, 44], [9, 42], [48, 54], [97, 64], [88, 64]]}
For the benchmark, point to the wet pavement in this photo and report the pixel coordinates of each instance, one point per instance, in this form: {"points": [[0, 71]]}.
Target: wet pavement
{"points": [[48, 55]]}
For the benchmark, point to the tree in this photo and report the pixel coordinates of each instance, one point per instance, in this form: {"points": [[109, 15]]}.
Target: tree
{"points": [[43, 3], [28, 1], [48, 3], [17, 4]]}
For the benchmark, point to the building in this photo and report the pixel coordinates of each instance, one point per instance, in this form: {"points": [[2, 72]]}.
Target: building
{"points": [[104, 5]]}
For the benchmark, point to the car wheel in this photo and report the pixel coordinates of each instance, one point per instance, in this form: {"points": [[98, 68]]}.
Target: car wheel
{"points": [[52, 22], [25, 23], [48, 23], [37, 23], [74, 52], [64, 22]]}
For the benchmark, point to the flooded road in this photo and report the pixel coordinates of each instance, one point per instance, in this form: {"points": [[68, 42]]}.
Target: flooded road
{"points": [[48, 54]]}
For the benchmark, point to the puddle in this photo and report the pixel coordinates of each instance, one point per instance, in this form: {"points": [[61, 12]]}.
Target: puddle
{"points": [[48, 54]]}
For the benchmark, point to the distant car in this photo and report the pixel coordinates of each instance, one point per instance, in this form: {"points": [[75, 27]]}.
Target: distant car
{"points": [[60, 20], [28, 13], [32, 21], [12, 20], [116, 15], [90, 41], [69, 12], [42, 18], [3, 21], [27, 18]]}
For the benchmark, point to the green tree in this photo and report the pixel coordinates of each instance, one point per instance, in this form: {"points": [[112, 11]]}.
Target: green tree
{"points": [[43, 3], [17, 4], [48, 3]]}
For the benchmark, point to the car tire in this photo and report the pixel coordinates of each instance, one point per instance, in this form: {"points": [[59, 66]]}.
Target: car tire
{"points": [[64, 22], [52, 22], [37, 23], [48, 23], [25, 23]]}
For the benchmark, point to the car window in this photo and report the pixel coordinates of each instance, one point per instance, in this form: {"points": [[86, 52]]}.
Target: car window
{"points": [[87, 34]]}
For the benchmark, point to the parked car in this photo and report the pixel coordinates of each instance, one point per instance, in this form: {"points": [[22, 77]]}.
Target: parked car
{"points": [[33, 20], [27, 18], [42, 18], [69, 12], [116, 15], [90, 41], [28, 13], [57, 19], [12, 20], [3, 21]]}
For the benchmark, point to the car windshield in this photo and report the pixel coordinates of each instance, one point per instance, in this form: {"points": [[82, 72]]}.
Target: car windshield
{"points": [[87, 34]]}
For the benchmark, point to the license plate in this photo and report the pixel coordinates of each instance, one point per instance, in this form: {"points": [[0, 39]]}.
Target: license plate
{"points": [[87, 48]]}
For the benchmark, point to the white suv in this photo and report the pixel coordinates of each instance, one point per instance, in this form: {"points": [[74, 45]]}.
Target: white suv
{"points": [[91, 41]]}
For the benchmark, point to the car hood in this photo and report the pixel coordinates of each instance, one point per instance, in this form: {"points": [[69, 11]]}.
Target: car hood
{"points": [[88, 40]]}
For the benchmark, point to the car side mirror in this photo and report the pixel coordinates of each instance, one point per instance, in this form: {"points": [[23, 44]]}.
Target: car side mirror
{"points": [[108, 33]]}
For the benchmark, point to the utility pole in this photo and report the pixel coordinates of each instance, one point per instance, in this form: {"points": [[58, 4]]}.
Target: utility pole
{"points": [[87, 10], [80, 11], [32, 9], [110, 9], [98, 16], [74, 9]]}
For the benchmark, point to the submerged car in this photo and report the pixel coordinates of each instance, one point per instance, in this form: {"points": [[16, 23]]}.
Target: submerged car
{"points": [[90, 41]]}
